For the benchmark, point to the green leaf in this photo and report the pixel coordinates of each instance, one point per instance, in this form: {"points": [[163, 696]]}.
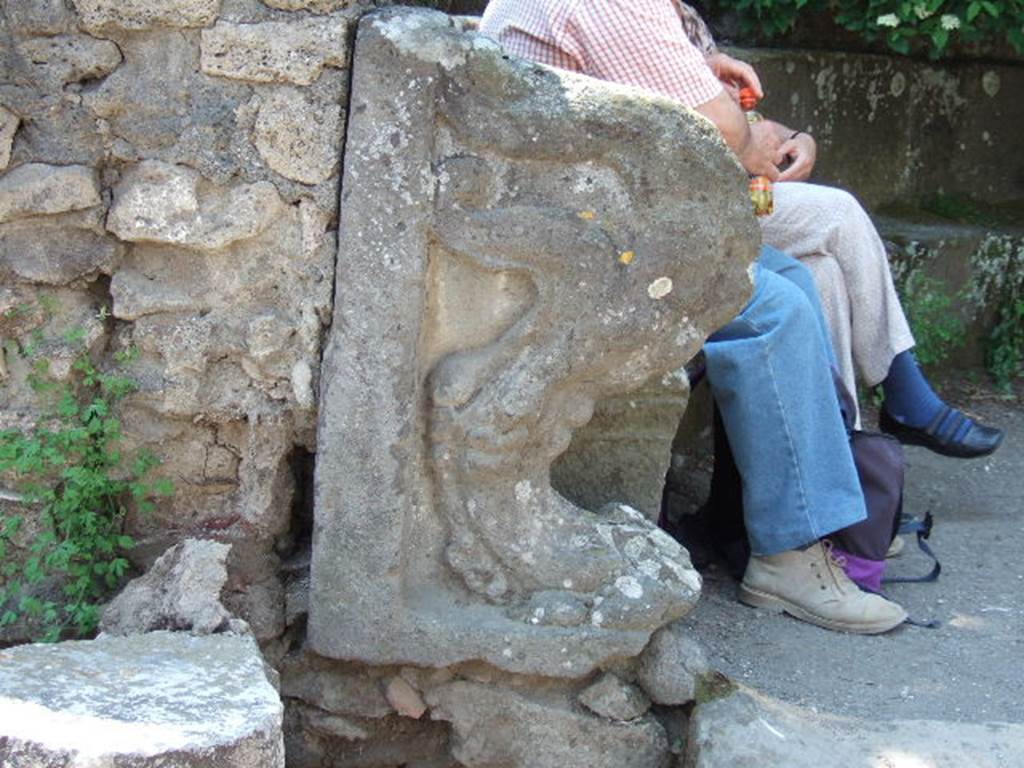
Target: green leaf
{"points": [[898, 43], [973, 10]]}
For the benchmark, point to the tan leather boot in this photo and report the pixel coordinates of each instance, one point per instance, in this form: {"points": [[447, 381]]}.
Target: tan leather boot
{"points": [[809, 585]]}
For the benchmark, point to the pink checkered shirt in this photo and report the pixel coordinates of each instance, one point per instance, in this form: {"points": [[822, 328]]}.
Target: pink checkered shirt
{"points": [[637, 42]]}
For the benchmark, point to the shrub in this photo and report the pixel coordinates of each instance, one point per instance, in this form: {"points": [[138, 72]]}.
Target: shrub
{"points": [[929, 26]]}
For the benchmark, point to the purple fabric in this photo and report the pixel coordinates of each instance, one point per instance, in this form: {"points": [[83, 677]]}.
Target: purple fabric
{"points": [[866, 573]]}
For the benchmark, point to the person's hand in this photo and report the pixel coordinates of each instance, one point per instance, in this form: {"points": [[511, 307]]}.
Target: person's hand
{"points": [[758, 162], [766, 136], [735, 74], [801, 152]]}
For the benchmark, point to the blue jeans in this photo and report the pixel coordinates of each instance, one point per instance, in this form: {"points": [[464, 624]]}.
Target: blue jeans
{"points": [[770, 373]]}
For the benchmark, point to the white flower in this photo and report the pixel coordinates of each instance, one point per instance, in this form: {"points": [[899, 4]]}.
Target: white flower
{"points": [[949, 21], [922, 11], [888, 20]]}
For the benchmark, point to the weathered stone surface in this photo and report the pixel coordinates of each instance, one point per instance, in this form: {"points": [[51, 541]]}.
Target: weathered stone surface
{"points": [[156, 699], [70, 58], [491, 726], [747, 730], [332, 687], [40, 322], [36, 189], [315, 739], [276, 51], [910, 113], [161, 203], [405, 699], [38, 17], [180, 592], [612, 698], [316, 6], [467, 346], [98, 15], [624, 451], [298, 137], [671, 666], [52, 254], [296, 599], [9, 123], [158, 106]]}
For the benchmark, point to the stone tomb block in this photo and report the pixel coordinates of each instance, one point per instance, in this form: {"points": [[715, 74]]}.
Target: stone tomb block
{"points": [[515, 243]]}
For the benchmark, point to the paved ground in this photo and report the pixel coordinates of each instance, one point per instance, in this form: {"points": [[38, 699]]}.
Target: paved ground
{"points": [[971, 669]]}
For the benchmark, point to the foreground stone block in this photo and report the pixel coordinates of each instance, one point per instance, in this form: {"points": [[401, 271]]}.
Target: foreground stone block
{"points": [[516, 243], [747, 730], [162, 699]]}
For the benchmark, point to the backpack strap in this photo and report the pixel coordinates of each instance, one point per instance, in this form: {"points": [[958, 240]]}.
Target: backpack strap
{"points": [[923, 529]]}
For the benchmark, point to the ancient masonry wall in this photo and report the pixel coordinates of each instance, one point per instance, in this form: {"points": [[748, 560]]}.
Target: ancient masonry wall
{"points": [[169, 177]]}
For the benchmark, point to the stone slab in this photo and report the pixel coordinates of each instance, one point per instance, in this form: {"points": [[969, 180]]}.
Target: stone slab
{"points": [[748, 730], [161, 699]]}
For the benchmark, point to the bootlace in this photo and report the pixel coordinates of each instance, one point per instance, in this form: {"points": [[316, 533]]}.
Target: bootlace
{"points": [[833, 562]]}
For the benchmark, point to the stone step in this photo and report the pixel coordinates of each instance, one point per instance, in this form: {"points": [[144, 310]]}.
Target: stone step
{"points": [[141, 701], [748, 730]]}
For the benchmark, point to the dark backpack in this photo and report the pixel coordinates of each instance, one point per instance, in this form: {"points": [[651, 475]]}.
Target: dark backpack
{"points": [[862, 547]]}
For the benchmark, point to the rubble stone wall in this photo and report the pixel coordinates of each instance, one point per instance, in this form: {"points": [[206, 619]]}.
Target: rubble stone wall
{"points": [[169, 176]]}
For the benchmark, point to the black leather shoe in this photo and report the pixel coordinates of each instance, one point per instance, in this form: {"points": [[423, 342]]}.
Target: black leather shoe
{"points": [[979, 440]]}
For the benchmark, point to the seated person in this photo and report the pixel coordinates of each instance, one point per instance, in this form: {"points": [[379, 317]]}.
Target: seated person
{"points": [[769, 368], [829, 229]]}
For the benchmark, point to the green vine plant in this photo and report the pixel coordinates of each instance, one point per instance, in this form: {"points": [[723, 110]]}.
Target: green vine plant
{"points": [[62, 550], [906, 26]]}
